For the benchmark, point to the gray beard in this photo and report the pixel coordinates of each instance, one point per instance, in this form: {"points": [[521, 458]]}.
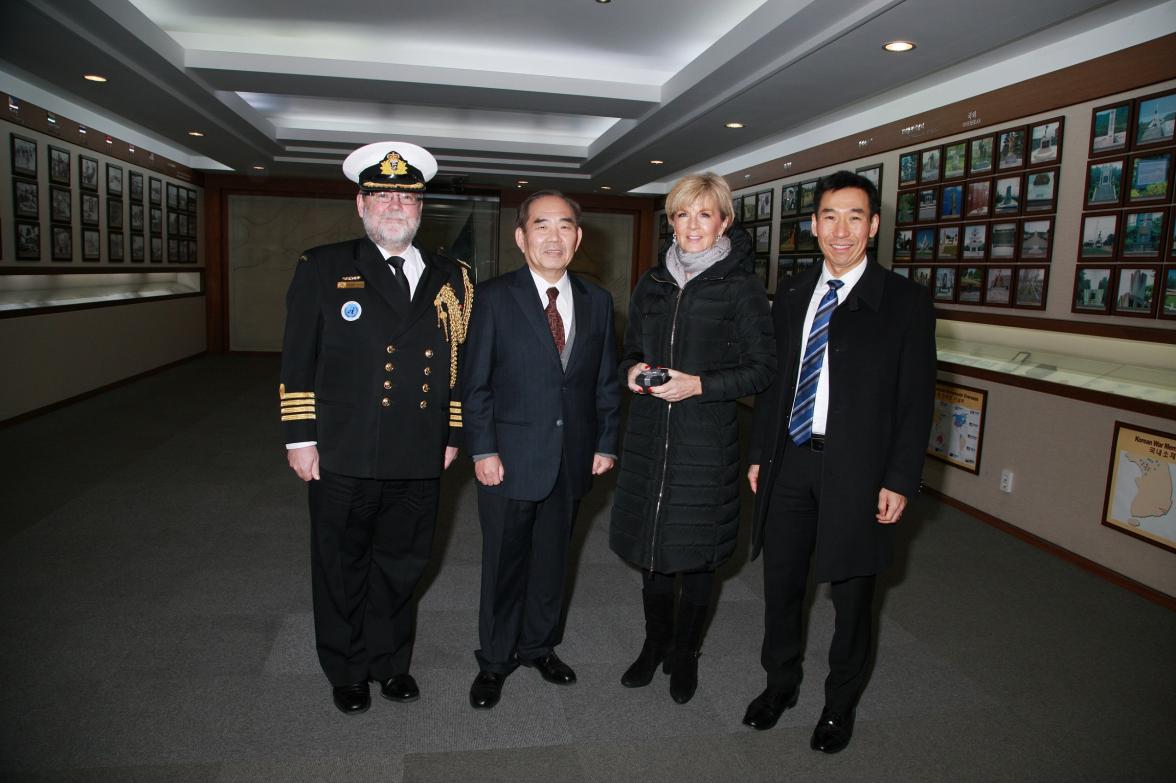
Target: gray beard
{"points": [[392, 236]]}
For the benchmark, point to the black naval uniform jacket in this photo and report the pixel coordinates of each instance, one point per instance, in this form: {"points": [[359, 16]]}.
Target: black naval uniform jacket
{"points": [[371, 379]]}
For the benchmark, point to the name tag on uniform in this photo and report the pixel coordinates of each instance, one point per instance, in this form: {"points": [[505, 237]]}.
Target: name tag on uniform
{"points": [[350, 282]]}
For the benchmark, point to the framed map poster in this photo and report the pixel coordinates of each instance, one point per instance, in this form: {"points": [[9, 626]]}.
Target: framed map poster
{"points": [[957, 425], [1140, 499]]}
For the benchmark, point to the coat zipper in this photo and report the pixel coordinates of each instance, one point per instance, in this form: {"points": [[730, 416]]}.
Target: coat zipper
{"points": [[666, 448]]}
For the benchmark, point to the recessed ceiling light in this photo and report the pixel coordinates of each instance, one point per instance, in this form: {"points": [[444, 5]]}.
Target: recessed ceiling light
{"points": [[259, 168], [94, 77], [604, 2], [197, 134], [734, 125], [657, 162], [522, 181], [898, 46], [605, 187]]}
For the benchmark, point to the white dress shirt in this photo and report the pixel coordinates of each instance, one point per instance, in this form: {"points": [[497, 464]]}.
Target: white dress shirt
{"points": [[849, 280], [563, 302]]}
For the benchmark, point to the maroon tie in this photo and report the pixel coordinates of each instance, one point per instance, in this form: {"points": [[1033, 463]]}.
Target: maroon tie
{"points": [[554, 322]]}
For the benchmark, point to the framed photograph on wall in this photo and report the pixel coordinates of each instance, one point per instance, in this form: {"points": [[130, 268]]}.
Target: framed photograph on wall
{"points": [[135, 184], [89, 205], [902, 271], [957, 429], [924, 244], [157, 250], [1092, 286], [951, 202], [1006, 198], [173, 251], [61, 243], [787, 236], [1010, 149], [1136, 291], [1138, 499], [182, 195], [947, 245], [114, 180], [808, 195], [980, 155], [1003, 240], [762, 269], [873, 174], [1036, 239], [1149, 175], [747, 214], [922, 275], [60, 205], [1109, 126], [944, 290], [1104, 182], [974, 245], [59, 166], [1168, 293], [137, 221], [763, 238], [114, 247], [1031, 282], [1045, 142], [998, 285], [87, 173], [931, 165], [928, 205], [904, 241], [906, 206], [26, 199], [173, 196], [1041, 190], [24, 157], [970, 285], [908, 169], [138, 249], [155, 192], [763, 205], [1143, 234], [1154, 120], [805, 241], [789, 199], [156, 220], [978, 199], [114, 213], [1100, 236], [91, 244], [955, 160], [27, 240], [785, 268]]}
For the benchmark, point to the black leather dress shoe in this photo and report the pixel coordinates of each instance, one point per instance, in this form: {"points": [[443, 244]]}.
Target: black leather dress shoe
{"points": [[352, 699], [552, 669], [766, 709], [400, 687], [833, 731], [486, 690]]}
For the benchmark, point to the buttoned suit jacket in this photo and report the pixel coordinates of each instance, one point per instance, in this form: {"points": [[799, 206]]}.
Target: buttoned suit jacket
{"points": [[519, 401], [881, 365], [372, 386]]}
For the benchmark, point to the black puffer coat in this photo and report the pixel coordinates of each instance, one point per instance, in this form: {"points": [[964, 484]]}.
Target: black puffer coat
{"points": [[677, 498]]}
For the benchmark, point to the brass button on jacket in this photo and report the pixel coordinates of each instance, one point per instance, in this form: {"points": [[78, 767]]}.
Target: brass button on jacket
{"points": [[425, 388], [391, 349], [424, 404], [388, 367], [385, 402], [428, 353], [387, 384]]}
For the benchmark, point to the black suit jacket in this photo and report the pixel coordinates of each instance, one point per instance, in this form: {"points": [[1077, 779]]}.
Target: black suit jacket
{"points": [[372, 384], [521, 404], [881, 359]]}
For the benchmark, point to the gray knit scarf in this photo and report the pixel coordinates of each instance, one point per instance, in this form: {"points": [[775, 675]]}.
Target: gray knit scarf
{"points": [[687, 266]]}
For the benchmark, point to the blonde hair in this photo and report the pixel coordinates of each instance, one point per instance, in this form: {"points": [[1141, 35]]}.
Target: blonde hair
{"points": [[695, 188]]}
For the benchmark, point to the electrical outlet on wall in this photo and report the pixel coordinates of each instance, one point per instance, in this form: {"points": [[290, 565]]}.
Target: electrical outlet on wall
{"points": [[1006, 480]]}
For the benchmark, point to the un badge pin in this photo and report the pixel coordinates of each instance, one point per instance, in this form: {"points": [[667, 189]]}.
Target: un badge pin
{"points": [[351, 311]]}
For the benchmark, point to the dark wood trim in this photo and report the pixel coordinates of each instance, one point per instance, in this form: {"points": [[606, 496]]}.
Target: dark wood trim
{"points": [[1133, 404], [84, 395], [4, 314], [1122, 331], [1127, 69], [36, 119], [1149, 593]]}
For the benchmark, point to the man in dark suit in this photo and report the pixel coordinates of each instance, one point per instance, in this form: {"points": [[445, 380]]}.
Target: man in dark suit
{"points": [[837, 449], [541, 395], [371, 416]]}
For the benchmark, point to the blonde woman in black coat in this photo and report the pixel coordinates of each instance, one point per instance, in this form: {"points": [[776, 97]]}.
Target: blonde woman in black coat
{"points": [[703, 314]]}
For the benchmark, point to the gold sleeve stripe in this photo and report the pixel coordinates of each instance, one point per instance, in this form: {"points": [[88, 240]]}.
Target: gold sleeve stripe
{"points": [[300, 409], [296, 395], [455, 424], [289, 403], [299, 417]]}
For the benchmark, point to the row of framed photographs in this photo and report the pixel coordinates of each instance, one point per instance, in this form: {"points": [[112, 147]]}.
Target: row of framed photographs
{"points": [[1149, 121], [1028, 239], [1138, 179], [26, 163], [1144, 234], [1141, 291], [753, 207], [991, 153], [1012, 194], [142, 248], [998, 286]]}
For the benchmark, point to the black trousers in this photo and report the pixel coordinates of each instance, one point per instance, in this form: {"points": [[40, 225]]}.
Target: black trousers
{"points": [[370, 543], [789, 537], [524, 561]]}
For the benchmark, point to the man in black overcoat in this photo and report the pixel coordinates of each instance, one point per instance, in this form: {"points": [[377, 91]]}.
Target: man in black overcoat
{"points": [[371, 416], [541, 398], [837, 449]]}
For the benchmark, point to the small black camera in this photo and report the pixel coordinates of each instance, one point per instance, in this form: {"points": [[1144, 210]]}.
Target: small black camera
{"points": [[654, 376]]}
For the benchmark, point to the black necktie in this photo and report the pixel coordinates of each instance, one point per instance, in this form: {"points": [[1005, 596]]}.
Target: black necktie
{"points": [[401, 281]]}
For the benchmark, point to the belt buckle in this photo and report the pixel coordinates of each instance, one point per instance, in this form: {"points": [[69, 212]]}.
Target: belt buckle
{"points": [[817, 443]]}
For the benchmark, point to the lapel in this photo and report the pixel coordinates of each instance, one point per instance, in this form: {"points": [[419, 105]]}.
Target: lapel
{"points": [[427, 287], [582, 316], [371, 264], [796, 302], [527, 297]]}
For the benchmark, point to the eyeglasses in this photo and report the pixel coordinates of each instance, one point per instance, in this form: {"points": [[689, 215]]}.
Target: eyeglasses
{"points": [[387, 197]]}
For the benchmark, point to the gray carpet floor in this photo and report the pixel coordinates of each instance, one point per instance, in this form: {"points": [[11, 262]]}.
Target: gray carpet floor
{"points": [[155, 617]]}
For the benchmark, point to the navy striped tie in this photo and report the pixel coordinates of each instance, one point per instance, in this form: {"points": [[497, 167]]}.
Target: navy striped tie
{"points": [[800, 425]]}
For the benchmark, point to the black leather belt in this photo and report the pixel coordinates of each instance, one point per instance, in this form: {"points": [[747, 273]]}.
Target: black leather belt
{"points": [[816, 443]]}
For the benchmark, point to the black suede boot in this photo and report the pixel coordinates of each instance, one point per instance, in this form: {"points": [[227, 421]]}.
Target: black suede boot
{"points": [[659, 632], [687, 641]]}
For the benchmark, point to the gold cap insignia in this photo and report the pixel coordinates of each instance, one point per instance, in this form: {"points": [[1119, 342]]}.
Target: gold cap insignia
{"points": [[393, 165]]}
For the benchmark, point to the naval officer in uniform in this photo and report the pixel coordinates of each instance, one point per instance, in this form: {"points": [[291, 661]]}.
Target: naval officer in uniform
{"points": [[371, 416]]}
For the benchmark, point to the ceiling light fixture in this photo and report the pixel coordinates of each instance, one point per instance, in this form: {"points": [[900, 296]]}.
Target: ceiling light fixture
{"points": [[606, 187], [94, 77], [259, 168], [522, 181], [109, 140], [898, 46], [603, 2], [197, 134], [734, 125], [657, 162]]}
